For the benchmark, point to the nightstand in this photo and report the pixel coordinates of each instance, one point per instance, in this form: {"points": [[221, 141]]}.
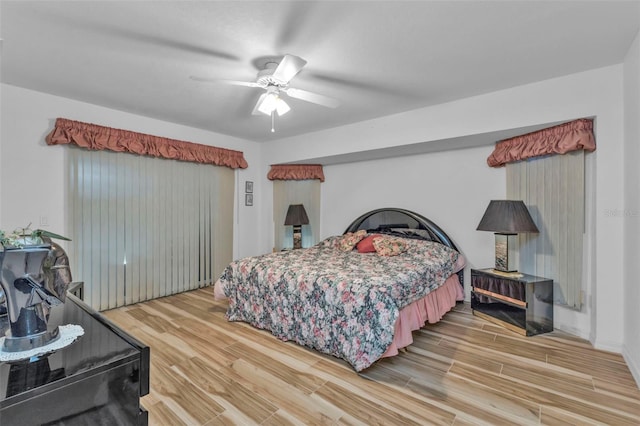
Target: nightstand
{"points": [[520, 302]]}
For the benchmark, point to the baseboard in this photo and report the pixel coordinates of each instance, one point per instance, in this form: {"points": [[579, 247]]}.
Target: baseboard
{"points": [[573, 331], [608, 346], [633, 367]]}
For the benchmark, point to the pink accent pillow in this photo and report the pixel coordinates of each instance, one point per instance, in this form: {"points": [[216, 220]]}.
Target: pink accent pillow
{"points": [[389, 246], [349, 240], [366, 245]]}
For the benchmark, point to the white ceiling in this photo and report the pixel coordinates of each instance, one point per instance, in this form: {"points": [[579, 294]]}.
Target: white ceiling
{"points": [[376, 57]]}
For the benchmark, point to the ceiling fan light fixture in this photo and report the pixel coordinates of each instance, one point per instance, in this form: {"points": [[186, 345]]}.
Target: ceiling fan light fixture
{"points": [[267, 103], [272, 102], [281, 107]]}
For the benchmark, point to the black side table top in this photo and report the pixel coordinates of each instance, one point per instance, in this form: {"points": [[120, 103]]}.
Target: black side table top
{"points": [[517, 276]]}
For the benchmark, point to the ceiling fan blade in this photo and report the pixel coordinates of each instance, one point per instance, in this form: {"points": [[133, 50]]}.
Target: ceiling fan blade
{"points": [[231, 82], [289, 66], [314, 98], [241, 83]]}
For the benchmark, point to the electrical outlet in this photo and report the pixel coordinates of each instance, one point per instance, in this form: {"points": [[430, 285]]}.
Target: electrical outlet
{"points": [[44, 221]]}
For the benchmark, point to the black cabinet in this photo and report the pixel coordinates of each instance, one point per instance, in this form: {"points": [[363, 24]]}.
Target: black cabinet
{"points": [[520, 302], [97, 380]]}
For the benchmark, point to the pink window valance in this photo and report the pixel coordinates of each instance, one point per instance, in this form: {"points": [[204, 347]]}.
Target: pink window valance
{"points": [[560, 139], [94, 137], [296, 172]]}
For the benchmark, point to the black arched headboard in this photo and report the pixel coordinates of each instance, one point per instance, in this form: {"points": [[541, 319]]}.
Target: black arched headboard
{"points": [[403, 223]]}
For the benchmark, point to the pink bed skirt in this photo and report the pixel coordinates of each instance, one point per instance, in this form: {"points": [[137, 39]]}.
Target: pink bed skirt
{"points": [[429, 309], [218, 292]]}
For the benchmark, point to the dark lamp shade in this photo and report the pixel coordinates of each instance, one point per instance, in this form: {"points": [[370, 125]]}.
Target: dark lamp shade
{"points": [[507, 217], [296, 215]]}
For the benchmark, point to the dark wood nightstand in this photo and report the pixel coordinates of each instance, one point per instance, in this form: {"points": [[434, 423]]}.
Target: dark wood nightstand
{"points": [[520, 302]]}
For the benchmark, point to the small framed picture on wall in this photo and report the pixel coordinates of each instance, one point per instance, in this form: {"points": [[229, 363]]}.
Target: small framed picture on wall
{"points": [[248, 187], [248, 199]]}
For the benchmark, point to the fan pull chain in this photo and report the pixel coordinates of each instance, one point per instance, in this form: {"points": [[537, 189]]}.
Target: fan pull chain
{"points": [[273, 121]]}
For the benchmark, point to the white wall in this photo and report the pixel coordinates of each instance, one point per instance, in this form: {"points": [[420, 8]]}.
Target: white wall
{"points": [[631, 211], [1, 86], [1, 101], [596, 93], [429, 184], [32, 174]]}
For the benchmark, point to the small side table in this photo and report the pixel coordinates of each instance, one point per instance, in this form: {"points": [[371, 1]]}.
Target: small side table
{"points": [[520, 302]]}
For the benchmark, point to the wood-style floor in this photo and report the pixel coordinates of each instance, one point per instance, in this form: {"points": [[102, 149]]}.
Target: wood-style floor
{"points": [[461, 371]]}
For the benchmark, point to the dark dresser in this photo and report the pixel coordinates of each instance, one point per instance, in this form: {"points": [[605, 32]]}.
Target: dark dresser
{"points": [[520, 302], [97, 380]]}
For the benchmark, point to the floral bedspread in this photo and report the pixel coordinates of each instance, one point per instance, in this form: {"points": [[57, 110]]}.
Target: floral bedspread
{"points": [[339, 303]]}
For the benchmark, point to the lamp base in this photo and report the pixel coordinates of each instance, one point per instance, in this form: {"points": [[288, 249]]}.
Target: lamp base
{"points": [[506, 259], [297, 237]]}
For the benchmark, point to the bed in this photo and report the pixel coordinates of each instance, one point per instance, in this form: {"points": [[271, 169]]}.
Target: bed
{"points": [[357, 296]]}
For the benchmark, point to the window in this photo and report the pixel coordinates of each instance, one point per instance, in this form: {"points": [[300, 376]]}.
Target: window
{"points": [[553, 188], [145, 227]]}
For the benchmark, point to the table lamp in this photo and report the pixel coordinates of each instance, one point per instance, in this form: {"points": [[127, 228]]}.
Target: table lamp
{"points": [[296, 217], [506, 218]]}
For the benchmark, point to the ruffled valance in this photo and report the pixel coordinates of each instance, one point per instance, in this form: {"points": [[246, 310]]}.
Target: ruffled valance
{"points": [[559, 139], [94, 137], [296, 172]]}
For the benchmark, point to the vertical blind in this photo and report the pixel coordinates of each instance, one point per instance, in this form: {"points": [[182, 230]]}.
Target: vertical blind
{"points": [[145, 227], [552, 187], [305, 192]]}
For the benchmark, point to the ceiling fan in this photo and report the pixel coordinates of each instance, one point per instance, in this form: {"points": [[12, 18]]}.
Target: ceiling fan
{"points": [[274, 78]]}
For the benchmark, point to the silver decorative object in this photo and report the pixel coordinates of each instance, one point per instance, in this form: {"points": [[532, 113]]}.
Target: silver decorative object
{"points": [[27, 297]]}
